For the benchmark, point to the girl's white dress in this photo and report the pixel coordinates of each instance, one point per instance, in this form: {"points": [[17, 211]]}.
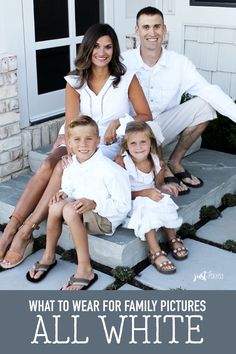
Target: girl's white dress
{"points": [[146, 214]]}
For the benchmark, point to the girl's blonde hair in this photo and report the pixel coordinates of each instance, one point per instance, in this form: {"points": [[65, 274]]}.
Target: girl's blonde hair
{"points": [[136, 127]]}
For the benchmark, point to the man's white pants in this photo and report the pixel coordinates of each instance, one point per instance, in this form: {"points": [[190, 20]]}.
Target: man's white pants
{"points": [[171, 123]]}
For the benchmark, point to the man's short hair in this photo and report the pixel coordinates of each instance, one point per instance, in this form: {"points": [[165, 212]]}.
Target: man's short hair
{"points": [[83, 121], [149, 10]]}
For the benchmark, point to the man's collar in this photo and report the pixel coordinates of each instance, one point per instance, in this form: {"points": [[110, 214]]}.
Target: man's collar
{"points": [[162, 60]]}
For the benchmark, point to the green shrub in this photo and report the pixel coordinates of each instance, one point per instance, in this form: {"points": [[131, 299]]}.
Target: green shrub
{"points": [[186, 230], [209, 213], [123, 274], [229, 200]]}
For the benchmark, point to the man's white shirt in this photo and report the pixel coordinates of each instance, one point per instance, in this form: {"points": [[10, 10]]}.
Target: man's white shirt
{"points": [[174, 74]]}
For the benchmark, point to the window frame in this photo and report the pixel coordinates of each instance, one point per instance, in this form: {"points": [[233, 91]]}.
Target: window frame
{"points": [[212, 3]]}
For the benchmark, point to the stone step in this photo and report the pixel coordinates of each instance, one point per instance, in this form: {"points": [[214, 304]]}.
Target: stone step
{"points": [[217, 169]]}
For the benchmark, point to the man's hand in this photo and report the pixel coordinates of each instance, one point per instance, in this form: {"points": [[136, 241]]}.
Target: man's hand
{"points": [[58, 197], [82, 205], [110, 135]]}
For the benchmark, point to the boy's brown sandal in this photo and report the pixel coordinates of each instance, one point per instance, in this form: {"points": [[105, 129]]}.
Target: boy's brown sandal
{"points": [[165, 267], [183, 251]]}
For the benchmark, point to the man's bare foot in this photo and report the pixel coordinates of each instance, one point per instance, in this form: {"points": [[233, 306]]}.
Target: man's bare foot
{"points": [[184, 176], [179, 186]]}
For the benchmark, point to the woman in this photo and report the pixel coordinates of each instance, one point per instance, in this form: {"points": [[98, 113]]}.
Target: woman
{"points": [[100, 87]]}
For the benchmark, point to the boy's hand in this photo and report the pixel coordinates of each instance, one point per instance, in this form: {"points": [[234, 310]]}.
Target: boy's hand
{"points": [[169, 189], [154, 194], [57, 197], [82, 205]]}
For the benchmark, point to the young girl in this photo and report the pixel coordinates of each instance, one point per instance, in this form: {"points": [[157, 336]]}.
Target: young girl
{"points": [[152, 208]]}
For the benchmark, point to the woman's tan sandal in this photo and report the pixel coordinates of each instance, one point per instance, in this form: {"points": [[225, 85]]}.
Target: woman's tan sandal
{"points": [[165, 267], [17, 217], [179, 253], [13, 259]]}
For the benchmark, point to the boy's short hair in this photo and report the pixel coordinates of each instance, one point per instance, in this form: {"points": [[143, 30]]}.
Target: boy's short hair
{"points": [[149, 10], [82, 121]]}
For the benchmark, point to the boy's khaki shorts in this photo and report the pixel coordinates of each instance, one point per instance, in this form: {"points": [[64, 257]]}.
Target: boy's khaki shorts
{"points": [[96, 224]]}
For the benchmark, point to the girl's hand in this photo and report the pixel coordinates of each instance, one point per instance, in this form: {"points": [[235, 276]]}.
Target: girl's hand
{"points": [[82, 205], [60, 140], [66, 160], [154, 194], [169, 189], [57, 198], [110, 135]]}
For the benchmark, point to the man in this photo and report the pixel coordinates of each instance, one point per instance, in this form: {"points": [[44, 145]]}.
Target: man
{"points": [[164, 76]]}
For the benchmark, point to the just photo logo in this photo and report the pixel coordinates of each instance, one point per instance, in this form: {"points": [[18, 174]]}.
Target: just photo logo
{"points": [[208, 275]]}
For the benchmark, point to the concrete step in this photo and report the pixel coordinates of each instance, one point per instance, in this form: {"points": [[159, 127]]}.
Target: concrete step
{"points": [[218, 171]]}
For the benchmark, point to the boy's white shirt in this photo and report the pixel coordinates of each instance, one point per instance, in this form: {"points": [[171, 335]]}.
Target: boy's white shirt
{"points": [[103, 181]]}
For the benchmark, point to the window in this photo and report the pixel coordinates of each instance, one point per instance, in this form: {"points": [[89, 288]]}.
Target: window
{"points": [[217, 3]]}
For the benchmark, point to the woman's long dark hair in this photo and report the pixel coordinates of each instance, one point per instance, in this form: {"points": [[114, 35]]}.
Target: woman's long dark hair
{"points": [[83, 60]]}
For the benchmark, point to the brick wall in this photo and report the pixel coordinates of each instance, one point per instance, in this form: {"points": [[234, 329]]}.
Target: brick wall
{"points": [[15, 143]]}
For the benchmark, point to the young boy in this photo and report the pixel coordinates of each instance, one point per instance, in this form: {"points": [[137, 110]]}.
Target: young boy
{"points": [[94, 198]]}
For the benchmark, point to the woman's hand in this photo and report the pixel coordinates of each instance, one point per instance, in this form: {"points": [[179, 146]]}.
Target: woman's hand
{"points": [[110, 135], [66, 160], [60, 141], [82, 205], [57, 197]]}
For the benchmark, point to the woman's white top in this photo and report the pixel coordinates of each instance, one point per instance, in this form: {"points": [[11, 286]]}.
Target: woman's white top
{"points": [[147, 214], [109, 104], [103, 181]]}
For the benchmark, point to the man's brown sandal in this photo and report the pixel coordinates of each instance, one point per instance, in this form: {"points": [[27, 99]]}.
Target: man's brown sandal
{"points": [[179, 253], [165, 267]]}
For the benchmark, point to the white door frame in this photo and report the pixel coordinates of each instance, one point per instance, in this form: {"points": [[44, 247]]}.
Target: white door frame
{"points": [[52, 103]]}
